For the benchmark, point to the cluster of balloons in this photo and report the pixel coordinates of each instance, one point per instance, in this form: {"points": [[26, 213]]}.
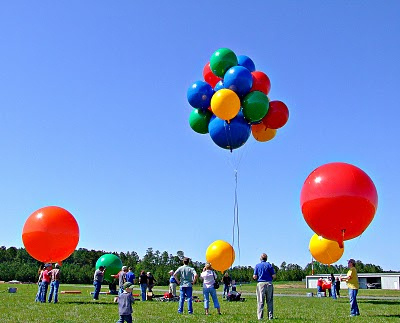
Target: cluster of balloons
{"points": [[50, 234], [338, 202], [232, 102], [220, 254]]}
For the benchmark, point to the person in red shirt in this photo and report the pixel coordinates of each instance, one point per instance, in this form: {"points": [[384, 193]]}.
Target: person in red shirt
{"points": [[45, 283]]}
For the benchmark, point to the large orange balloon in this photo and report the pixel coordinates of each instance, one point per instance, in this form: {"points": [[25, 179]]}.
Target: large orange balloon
{"points": [[338, 201], [325, 251], [50, 234], [262, 133], [225, 104], [220, 254]]}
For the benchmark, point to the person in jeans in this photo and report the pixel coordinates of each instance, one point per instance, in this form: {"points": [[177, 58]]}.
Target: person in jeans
{"points": [[227, 283], [125, 301], [143, 284], [97, 281], [264, 273], [209, 277], [352, 283], [185, 276], [333, 286], [54, 283], [45, 283]]}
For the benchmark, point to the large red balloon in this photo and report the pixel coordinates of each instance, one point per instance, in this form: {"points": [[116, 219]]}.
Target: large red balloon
{"points": [[277, 115], [338, 201], [261, 82], [50, 234], [209, 76]]}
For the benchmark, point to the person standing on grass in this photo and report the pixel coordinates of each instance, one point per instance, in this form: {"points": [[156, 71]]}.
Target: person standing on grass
{"points": [[352, 283], [143, 284], [186, 277], [40, 273], [150, 281], [333, 286], [209, 277], [227, 282], [125, 301], [55, 283], [97, 281], [264, 273], [172, 283], [45, 283], [337, 286]]}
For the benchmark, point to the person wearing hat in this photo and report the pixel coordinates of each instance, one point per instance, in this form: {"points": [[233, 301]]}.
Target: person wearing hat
{"points": [[187, 277], [151, 281], [352, 284], [125, 301], [55, 283], [122, 278], [172, 283]]}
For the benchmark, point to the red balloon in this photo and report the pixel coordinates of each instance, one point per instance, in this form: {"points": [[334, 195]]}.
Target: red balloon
{"points": [[209, 76], [50, 234], [338, 201], [277, 115], [261, 82]]}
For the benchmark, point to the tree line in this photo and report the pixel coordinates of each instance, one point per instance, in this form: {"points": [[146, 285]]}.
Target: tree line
{"points": [[17, 264]]}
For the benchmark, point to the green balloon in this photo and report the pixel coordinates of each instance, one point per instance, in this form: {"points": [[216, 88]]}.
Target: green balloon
{"points": [[199, 120], [255, 106], [112, 263], [222, 60]]}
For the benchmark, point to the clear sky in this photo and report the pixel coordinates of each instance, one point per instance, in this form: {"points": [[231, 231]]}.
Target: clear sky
{"points": [[94, 118]]}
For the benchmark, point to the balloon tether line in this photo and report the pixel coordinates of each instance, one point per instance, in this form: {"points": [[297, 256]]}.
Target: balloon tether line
{"points": [[236, 218]]}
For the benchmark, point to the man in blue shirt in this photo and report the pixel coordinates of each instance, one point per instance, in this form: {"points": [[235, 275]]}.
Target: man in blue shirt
{"points": [[264, 273], [130, 276]]}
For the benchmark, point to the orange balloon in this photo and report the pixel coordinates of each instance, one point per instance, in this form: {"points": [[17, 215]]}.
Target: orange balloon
{"points": [[221, 255], [325, 251], [262, 133], [50, 234], [225, 104]]}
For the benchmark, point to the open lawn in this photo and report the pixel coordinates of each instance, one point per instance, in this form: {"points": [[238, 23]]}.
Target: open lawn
{"points": [[290, 304]]}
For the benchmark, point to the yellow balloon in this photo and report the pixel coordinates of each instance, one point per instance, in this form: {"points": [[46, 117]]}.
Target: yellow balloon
{"points": [[325, 251], [225, 104], [262, 133], [221, 255]]}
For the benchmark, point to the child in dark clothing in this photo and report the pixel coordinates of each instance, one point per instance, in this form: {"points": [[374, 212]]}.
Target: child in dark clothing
{"points": [[125, 300]]}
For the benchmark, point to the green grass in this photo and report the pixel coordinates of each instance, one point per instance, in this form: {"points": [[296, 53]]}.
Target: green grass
{"points": [[20, 307]]}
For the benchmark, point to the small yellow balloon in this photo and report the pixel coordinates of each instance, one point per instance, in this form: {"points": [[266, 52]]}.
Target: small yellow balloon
{"points": [[325, 251], [262, 133], [221, 255], [225, 104]]}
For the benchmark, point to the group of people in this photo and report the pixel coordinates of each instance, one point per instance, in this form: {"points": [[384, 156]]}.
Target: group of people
{"points": [[48, 276], [332, 285], [351, 279], [186, 276]]}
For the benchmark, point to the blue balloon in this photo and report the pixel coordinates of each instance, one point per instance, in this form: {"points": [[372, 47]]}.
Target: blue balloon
{"points": [[230, 135], [247, 62], [239, 80], [219, 86], [199, 95]]}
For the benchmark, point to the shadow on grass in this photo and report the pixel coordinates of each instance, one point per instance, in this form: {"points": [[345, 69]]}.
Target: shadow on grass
{"points": [[380, 302], [89, 303]]}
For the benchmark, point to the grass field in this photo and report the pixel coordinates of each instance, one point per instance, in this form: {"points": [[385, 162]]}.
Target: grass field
{"points": [[289, 305]]}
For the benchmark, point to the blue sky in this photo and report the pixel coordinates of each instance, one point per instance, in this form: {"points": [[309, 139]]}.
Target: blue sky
{"points": [[94, 118]]}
